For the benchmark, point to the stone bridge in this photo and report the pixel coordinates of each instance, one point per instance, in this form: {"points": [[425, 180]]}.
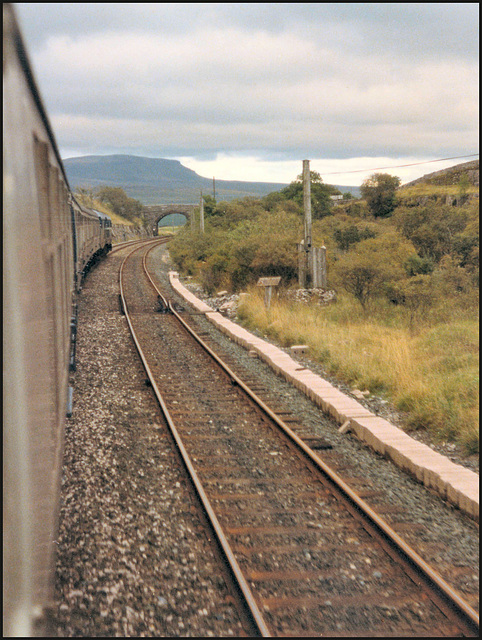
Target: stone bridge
{"points": [[157, 212]]}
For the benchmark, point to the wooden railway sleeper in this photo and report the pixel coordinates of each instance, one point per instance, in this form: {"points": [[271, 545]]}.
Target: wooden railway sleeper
{"points": [[380, 530]]}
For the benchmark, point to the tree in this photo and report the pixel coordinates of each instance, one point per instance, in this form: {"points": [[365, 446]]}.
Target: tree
{"points": [[210, 208], [415, 294], [417, 265], [433, 228], [349, 234], [362, 278], [121, 204], [379, 192], [320, 194], [464, 184], [86, 195], [373, 265]]}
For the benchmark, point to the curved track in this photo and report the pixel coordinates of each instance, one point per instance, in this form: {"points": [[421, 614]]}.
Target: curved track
{"points": [[291, 530]]}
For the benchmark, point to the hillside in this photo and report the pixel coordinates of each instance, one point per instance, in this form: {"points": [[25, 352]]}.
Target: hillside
{"points": [[451, 176], [158, 180]]}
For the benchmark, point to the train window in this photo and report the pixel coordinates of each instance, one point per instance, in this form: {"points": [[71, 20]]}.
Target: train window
{"points": [[54, 203], [41, 155], [64, 203], [51, 301], [65, 292]]}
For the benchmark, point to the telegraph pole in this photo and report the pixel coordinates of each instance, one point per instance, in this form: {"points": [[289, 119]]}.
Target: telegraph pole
{"points": [[307, 203], [201, 213], [311, 260]]}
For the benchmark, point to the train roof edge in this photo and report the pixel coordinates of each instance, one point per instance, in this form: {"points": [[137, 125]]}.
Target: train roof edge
{"points": [[11, 28]]}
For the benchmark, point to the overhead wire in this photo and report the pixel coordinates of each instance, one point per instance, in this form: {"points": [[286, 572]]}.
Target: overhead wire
{"points": [[399, 166]]}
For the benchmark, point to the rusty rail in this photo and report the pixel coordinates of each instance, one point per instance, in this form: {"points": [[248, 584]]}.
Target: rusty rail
{"points": [[448, 599], [443, 595], [221, 539]]}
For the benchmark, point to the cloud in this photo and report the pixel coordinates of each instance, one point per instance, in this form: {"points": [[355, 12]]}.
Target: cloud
{"points": [[336, 80], [254, 91], [416, 29]]}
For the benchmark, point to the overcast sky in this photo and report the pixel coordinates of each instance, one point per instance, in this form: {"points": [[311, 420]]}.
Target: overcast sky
{"points": [[248, 90]]}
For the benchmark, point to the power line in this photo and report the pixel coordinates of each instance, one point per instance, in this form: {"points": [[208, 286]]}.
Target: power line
{"points": [[398, 166]]}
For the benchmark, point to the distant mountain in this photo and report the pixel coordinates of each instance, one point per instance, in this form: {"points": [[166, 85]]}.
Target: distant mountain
{"points": [[160, 181], [157, 180]]}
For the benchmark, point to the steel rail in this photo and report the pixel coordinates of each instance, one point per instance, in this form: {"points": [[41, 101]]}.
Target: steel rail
{"points": [[445, 592], [125, 245], [240, 580]]}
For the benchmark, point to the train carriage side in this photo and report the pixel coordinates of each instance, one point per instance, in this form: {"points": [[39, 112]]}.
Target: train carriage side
{"points": [[106, 231], [87, 239], [38, 288]]}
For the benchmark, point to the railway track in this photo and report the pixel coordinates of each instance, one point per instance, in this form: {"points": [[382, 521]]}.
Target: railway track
{"points": [[307, 554]]}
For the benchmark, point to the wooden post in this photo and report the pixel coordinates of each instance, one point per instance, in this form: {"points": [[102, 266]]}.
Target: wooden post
{"points": [[268, 284], [311, 260], [305, 250], [315, 267], [323, 270], [302, 264], [268, 291], [319, 268], [201, 213], [307, 203]]}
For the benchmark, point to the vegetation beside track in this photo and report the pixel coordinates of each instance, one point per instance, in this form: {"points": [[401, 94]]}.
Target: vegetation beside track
{"points": [[430, 374], [405, 320], [117, 208]]}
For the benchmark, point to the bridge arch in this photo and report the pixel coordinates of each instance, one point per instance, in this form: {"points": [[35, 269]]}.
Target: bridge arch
{"points": [[155, 213]]}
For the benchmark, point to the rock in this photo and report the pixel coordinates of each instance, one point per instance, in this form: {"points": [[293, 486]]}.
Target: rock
{"points": [[299, 348], [318, 296], [227, 306]]}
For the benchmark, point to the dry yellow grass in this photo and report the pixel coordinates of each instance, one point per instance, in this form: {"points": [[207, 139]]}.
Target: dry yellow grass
{"points": [[431, 375], [100, 206]]}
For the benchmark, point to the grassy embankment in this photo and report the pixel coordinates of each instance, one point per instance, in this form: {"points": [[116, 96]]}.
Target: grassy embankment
{"points": [[169, 231], [93, 203], [430, 374], [435, 191], [100, 206]]}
